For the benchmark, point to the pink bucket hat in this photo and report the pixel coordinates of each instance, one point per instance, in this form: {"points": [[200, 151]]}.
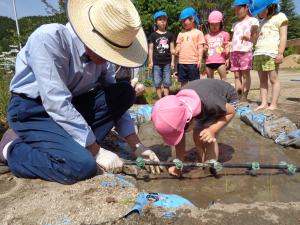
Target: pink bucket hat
{"points": [[215, 17], [171, 113]]}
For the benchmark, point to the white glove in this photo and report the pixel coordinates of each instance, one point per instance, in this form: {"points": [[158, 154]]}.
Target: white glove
{"points": [[148, 155], [109, 161]]}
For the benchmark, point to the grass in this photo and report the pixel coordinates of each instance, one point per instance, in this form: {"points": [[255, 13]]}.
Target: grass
{"points": [[4, 97]]}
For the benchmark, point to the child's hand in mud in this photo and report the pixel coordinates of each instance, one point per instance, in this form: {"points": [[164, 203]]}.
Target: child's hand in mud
{"points": [[208, 136], [174, 172]]}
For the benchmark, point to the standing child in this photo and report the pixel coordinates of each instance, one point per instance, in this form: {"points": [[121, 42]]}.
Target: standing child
{"points": [[216, 46], [205, 106], [241, 50], [161, 44], [269, 48], [189, 47]]}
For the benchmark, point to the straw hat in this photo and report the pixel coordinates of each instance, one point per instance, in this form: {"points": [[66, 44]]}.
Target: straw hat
{"points": [[110, 28]]}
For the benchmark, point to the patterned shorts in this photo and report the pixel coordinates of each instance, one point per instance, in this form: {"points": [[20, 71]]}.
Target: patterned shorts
{"points": [[240, 61], [264, 63]]}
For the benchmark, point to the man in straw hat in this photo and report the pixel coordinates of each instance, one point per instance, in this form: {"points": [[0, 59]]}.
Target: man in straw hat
{"points": [[64, 96]]}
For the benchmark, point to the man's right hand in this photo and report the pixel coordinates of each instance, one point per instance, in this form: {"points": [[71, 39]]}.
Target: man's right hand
{"points": [[109, 161]]}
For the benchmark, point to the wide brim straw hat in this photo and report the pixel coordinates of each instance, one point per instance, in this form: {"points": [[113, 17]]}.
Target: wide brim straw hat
{"points": [[110, 28]]}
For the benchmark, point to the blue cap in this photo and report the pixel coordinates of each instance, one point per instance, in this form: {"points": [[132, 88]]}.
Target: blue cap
{"points": [[159, 14], [258, 6], [188, 12], [241, 2]]}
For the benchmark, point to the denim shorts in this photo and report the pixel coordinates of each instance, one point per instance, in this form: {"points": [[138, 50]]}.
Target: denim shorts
{"points": [[188, 72], [162, 75]]}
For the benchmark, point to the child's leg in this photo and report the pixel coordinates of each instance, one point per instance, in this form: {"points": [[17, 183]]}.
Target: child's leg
{"points": [[210, 72], [212, 151], [159, 92], [222, 72], [199, 145], [193, 72], [206, 151], [238, 82], [167, 82], [246, 83], [157, 75], [274, 78], [182, 74], [263, 78]]}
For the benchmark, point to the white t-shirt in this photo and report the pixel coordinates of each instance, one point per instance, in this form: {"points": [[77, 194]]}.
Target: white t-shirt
{"points": [[239, 29], [269, 37]]}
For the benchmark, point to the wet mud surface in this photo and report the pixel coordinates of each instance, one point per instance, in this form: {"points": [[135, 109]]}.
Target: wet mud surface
{"points": [[238, 143]]}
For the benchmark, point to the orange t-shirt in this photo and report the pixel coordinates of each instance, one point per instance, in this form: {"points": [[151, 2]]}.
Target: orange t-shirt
{"points": [[188, 43]]}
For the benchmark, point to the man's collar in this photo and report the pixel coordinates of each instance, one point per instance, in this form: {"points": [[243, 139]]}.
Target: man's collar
{"points": [[79, 45]]}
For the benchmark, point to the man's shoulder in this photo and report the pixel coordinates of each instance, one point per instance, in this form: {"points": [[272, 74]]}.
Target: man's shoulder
{"points": [[51, 30]]}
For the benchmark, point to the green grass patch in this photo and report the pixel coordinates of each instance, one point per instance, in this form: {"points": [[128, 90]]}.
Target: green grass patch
{"points": [[4, 97]]}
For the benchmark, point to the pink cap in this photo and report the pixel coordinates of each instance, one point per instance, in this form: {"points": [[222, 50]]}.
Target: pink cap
{"points": [[171, 113], [215, 17]]}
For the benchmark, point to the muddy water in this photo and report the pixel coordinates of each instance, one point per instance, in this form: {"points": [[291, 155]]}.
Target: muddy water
{"points": [[238, 143]]}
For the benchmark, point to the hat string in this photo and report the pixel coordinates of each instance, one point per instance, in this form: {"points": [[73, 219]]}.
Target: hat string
{"points": [[190, 109], [105, 38]]}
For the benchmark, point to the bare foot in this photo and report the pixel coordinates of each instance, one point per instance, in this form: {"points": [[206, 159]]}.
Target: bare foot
{"points": [[272, 107], [261, 107]]}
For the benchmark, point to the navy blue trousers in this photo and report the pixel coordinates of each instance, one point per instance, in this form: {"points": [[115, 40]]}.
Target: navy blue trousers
{"points": [[45, 150]]}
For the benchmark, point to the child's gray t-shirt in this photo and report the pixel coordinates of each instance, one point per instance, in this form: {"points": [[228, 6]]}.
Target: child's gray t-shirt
{"points": [[214, 94]]}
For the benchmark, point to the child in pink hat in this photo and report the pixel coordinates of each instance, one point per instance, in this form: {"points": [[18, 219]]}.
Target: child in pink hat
{"points": [[196, 107], [216, 46]]}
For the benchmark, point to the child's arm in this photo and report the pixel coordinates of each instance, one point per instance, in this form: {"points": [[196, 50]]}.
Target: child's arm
{"points": [[180, 150], [200, 42], [172, 48], [227, 49], [253, 36], [209, 134], [200, 52], [177, 49], [282, 44], [150, 66], [178, 44]]}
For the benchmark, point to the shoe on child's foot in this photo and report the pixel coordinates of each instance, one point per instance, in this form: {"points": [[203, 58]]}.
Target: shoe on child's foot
{"points": [[7, 137]]}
